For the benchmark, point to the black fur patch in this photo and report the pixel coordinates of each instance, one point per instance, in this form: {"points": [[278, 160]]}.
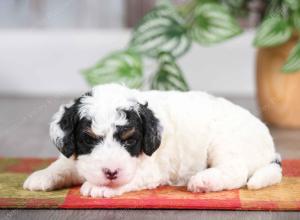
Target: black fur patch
{"points": [[133, 144], [146, 137], [151, 130], [85, 143], [74, 141], [68, 124], [277, 161], [89, 93]]}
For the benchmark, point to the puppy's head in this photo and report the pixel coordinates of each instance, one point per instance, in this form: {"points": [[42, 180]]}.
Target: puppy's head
{"points": [[108, 131]]}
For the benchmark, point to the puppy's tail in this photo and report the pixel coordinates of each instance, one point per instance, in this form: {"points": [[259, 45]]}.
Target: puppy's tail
{"points": [[267, 175]]}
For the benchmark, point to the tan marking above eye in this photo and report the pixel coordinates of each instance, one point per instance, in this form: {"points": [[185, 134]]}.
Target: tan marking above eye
{"points": [[127, 134], [90, 133]]}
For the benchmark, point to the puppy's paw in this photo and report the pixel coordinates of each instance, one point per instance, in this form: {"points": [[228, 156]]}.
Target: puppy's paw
{"points": [[88, 189], [206, 181], [42, 180]]}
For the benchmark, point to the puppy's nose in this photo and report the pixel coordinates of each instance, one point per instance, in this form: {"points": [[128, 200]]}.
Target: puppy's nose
{"points": [[109, 174]]}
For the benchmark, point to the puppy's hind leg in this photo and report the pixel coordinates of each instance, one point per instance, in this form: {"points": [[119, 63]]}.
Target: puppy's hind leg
{"points": [[266, 176], [224, 176], [61, 173]]}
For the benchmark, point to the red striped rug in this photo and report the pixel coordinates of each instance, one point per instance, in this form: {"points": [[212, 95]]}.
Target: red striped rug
{"points": [[13, 171]]}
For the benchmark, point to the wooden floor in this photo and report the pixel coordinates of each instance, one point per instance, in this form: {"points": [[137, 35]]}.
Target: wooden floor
{"points": [[24, 133]]}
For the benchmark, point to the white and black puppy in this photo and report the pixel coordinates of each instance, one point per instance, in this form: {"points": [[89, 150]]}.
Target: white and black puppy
{"points": [[115, 140]]}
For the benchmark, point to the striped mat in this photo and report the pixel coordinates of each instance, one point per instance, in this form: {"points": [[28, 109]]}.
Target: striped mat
{"points": [[13, 171]]}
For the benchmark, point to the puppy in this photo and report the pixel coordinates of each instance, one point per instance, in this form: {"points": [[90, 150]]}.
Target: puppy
{"points": [[115, 140]]}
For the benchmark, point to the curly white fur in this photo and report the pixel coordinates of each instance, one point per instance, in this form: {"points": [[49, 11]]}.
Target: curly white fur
{"points": [[208, 144]]}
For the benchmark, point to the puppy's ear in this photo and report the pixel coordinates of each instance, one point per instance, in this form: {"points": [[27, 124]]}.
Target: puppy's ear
{"points": [[151, 130], [62, 129]]}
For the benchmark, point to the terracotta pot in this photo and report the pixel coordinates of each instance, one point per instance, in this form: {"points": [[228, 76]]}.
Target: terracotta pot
{"points": [[278, 93]]}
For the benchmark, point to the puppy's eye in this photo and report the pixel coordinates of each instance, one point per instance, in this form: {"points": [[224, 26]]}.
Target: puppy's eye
{"points": [[90, 138], [129, 142], [127, 133], [91, 141]]}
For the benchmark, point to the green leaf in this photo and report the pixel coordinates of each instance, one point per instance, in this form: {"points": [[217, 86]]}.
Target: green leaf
{"points": [[213, 24], [162, 29], [272, 32], [237, 8], [296, 19], [233, 3], [293, 62], [123, 66], [169, 76], [293, 4]]}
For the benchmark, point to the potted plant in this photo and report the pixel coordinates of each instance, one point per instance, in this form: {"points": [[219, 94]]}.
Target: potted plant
{"points": [[162, 36], [167, 32], [278, 61]]}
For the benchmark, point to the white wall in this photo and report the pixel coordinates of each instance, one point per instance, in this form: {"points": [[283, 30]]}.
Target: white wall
{"points": [[62, 14], [47, 62]]}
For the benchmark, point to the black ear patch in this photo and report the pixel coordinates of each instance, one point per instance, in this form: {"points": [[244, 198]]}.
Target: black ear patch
{"points": [[68, 124], [151, 130]]}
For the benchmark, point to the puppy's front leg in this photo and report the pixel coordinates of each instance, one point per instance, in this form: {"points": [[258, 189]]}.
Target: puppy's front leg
{"points": [[88, 189], [61, 173]]}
